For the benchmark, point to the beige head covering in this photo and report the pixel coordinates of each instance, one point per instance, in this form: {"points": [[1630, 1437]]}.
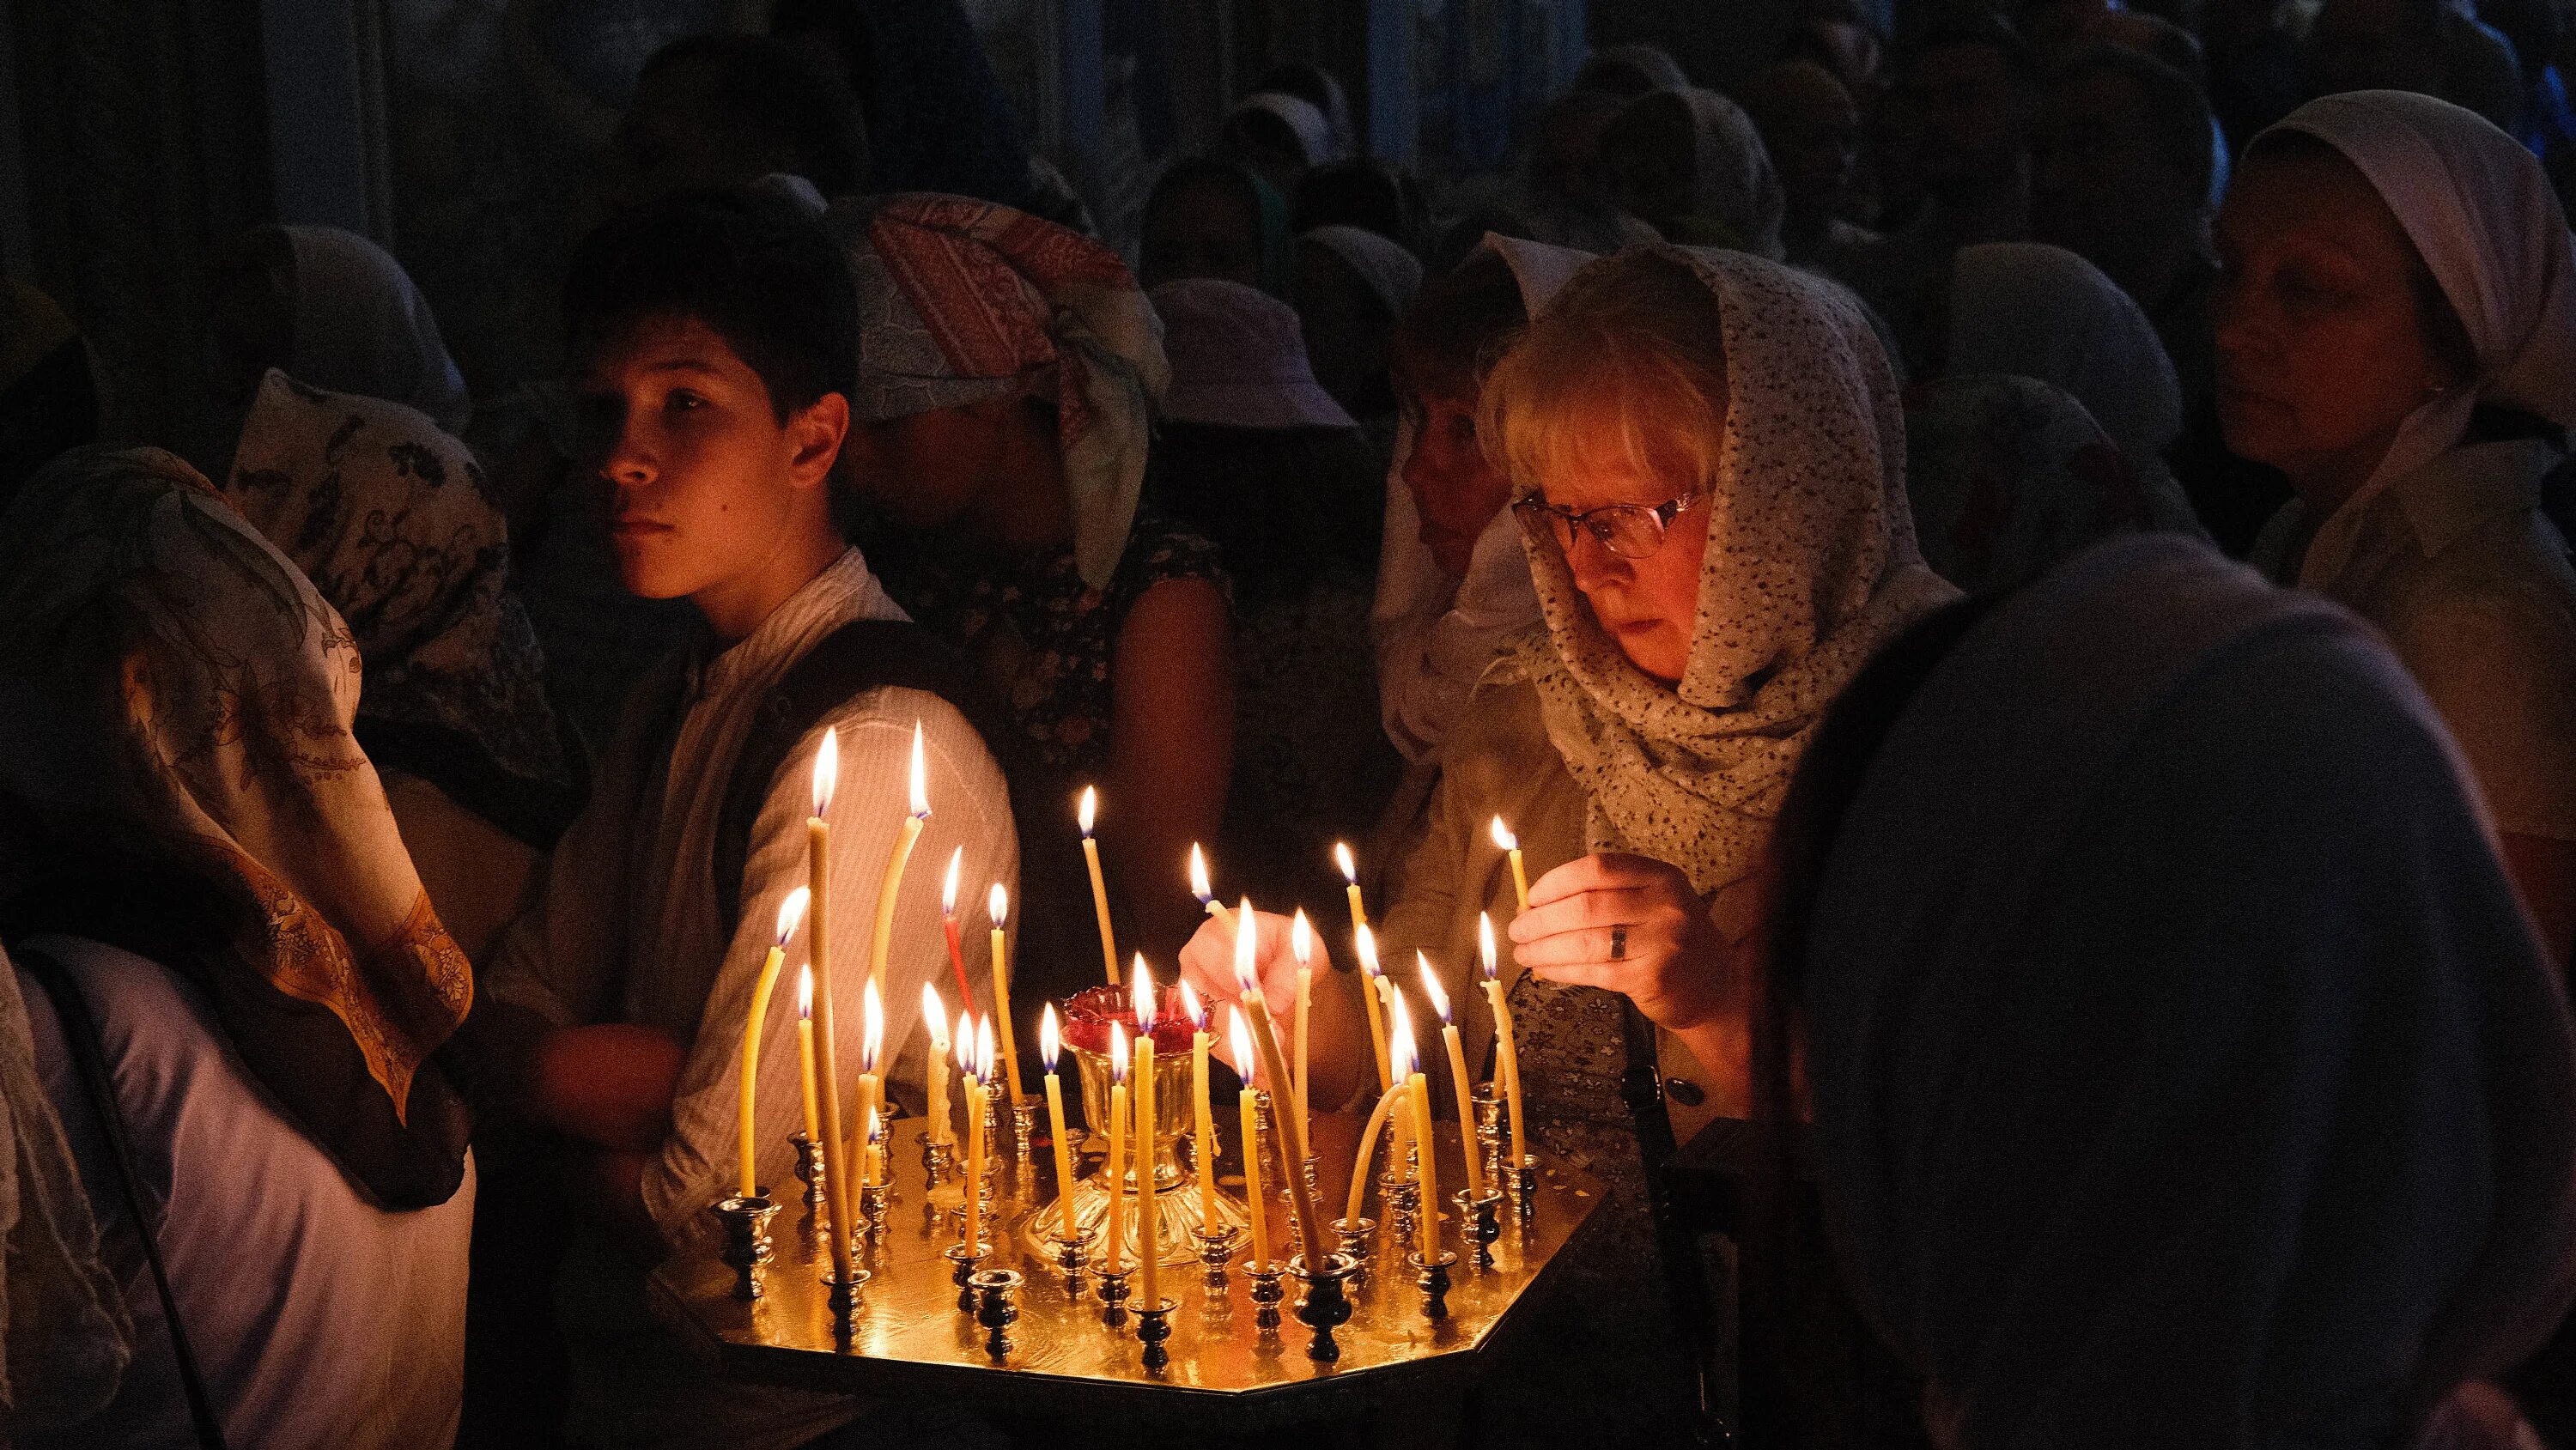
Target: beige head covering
{"points": [[173, 694], [1811, 565]]}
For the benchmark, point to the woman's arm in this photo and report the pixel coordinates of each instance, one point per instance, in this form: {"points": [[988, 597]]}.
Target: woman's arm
{"points": [[1171, 752]]}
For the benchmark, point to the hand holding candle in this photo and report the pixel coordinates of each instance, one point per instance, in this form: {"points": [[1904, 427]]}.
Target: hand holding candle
{"points": [[1511, 847], [1458, 1079], [934, 1064], [790, 912], [1506, 1056], [1200, 889], [1247, 1103], [997, 909], [1050, 1040], [1088, 813]]}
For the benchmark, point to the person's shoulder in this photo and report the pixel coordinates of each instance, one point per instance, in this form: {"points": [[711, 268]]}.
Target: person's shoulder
{"points": [[1161, 550]]}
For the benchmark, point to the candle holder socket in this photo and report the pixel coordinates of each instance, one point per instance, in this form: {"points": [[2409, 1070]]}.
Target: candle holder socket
{"points": [[1405, 1208], [1432, 1278], [937, 1160], [997, 1308], [1267, 1293], [872, 1212], [1525, 1187], [1354, 1234], [965, 1260], [1024, 1130], [809, 1171], [1480, 1218], [1071, 1255], [746, 1239], [842, 1296], [1326, 1304], [1113, 1297], [1488, 1102], [1153, 1326], [1215, 1249]]}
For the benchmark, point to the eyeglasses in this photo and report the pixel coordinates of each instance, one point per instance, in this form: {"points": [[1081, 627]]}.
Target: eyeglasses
{"points": [[1629, 530]]}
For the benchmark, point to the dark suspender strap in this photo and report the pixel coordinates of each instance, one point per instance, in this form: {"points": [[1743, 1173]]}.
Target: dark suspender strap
{"points": [[1678, 1244], [89, 1060]]}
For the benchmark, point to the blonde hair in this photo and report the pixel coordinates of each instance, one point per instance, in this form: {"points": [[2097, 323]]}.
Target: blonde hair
{"points": [[1627, 366]]}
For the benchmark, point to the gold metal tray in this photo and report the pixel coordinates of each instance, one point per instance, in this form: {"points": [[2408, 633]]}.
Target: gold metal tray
{"points": [[909, 1336]]}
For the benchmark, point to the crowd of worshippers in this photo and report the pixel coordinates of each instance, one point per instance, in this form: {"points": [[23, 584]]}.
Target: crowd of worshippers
{"points": [[2007, 576]]}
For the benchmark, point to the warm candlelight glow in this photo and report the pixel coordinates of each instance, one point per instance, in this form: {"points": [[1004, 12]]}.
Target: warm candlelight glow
{"points": [[1143, 988], [1399, 1039], [920, 777], [1241, 1037], [827, 770], [1192, 1008], [791, 911], [1199, 874], [1301, 938], [1485, 945], [1367, 943], [1431, 988], [1050, 1037], [1089, 811], [965, 1027], [934, 1015], [1117, 1052], [986, 1056], [997, 905], [1504, 840], [948, 886], [1342, 858], [1372, 1003], [872, 1033], [805, 990]]}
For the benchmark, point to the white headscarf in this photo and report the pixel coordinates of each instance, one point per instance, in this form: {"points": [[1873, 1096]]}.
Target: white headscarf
{"points": [[1811, 565], [1303, 118], [2037, 311], [2486, 221], [362, 327], [1393, 274], [2184, 1069], [1435, 636]]}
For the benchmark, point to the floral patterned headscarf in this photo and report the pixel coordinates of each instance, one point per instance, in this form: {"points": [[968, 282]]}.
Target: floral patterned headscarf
{"points": [[963, 300], [212, 690]]}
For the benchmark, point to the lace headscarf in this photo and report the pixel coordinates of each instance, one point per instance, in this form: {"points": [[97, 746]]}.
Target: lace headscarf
{"points": [[178, 705], [1811, 565], [393, 523], [960, 301]]}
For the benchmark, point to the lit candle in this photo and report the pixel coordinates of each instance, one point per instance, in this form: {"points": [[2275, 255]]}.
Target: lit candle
{"points": [[1099, 890], [871, 1085], [1116, 1178], [965, 1049], [1399, 1044], [1247, 1102], [891, 888], [997, 908], [1049, 1041], [1387, 1104], [1504, 1053], [805, 1050], [934, 1067], [1200, 1041], [818, 871], [1275, 1067], [1301, 945], [1200, 889], [1511, 847], [948, 923], [1429, 1218], [974, 1154], [788, 912], [1350, 883], [1458, 1079], [1373, 1004], [1148, 1240]]}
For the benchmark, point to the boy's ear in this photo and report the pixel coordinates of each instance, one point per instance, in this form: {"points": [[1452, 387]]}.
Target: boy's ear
{"points": [[815, 433]]}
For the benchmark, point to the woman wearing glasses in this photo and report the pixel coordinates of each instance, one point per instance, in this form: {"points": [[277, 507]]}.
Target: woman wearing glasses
{"points": [[1710, 459]]}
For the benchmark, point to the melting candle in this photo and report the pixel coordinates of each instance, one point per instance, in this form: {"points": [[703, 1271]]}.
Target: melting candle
{"points": [[1085, 815], [789, 912], [1458, 1081], [1511, 847], [1506, 1056]]}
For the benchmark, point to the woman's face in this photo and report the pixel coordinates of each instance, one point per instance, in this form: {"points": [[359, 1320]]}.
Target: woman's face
{"points": [[1647, 605], [1456, 491], [2322, 349]]}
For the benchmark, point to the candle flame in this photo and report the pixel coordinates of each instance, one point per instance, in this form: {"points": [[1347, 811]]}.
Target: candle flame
{"points": [[965, 1034], [934, 1015], [805, 990], [1342, 858], [997, 904], [1431, 988], [1399, 1039], [920, 776], [985, 1055], [1247, 979], [1199, 875], [1301, 938], [1503, 837], [948, 887], [1485, 945], [1089, 810], [1050, 1037], [1367, 942], [1117, 1052], [872, 1036], [791, 912], [1242, 1037], [1192, 1008], [1141, 979], [827, 770]]}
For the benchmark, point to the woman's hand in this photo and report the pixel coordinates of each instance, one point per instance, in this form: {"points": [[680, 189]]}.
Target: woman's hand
{"points": [[1207, 963], [1631, 925]]}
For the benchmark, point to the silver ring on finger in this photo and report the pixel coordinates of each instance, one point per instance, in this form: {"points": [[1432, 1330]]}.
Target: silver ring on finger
{"points": [[1619, 943]]}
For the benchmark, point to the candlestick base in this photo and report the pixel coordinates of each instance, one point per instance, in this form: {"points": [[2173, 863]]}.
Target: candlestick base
{"points": [[1480, 1218], [746, 1239], [1489, 1130], [1215, 1248], [1326, 1306], [842, 1295], [1525, 1187], [1024, 1131], [1405, 1208], [1354, 1234], [1177, 1221], [937, 1160], [1432, 1278], [965, 1260], [996, 1308], [1113, 1297], [1266, 1295], [872, 1212], [1070, 1256], [1153, 1326], [809, 1171]]}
